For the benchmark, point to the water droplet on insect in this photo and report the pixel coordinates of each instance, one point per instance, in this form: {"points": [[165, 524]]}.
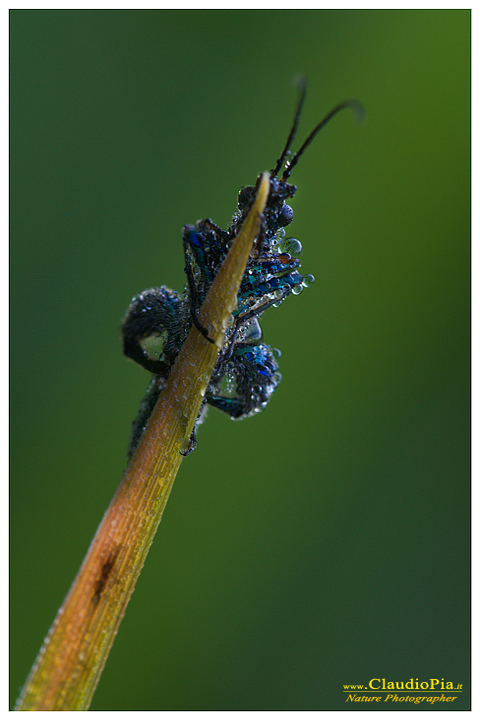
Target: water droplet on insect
{"points": [[292, 246], [250, 332], [297, 289], [230, 382], [308, 280]]}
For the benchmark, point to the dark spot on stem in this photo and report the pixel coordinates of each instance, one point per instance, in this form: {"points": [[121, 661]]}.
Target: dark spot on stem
{"points": [[105, 572]]}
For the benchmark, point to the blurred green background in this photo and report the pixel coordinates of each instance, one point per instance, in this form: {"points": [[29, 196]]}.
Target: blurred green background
{"points": [[325, 541]]}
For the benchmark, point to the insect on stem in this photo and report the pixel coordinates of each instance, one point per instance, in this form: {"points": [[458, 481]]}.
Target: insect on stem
{"points": [[202, 347]]}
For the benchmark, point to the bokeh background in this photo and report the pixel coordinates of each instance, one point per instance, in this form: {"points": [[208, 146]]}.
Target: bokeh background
{"points": [[325, 541]]}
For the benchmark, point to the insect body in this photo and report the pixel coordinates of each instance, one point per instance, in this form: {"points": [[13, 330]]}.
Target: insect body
{"points": [[158, 320]]}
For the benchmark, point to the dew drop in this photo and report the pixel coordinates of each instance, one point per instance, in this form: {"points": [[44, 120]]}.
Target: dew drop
{"points": [[250, 332], [308, 280], [292, 246]]}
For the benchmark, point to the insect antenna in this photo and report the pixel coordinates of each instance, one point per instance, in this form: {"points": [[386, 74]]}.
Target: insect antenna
{"points": [[357, 108], [302, 86]]}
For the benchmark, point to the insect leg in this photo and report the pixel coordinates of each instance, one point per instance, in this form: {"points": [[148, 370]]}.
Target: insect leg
{"points": [[194, 305], [146, 408]]}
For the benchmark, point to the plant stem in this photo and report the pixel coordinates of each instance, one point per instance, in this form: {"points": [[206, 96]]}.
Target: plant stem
{"points": [[69, 665]]}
